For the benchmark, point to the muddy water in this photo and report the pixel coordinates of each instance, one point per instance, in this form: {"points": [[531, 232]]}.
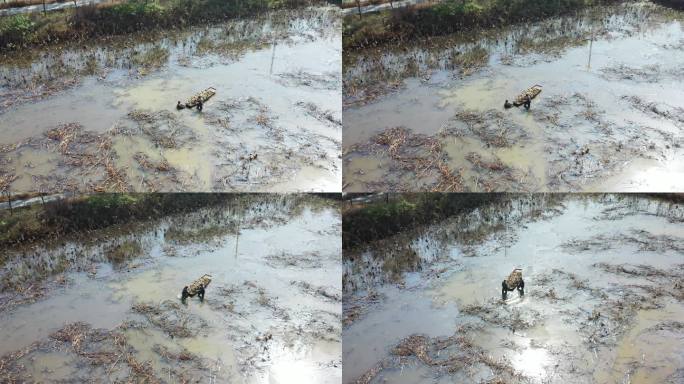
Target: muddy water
{"points": [[589, 65], [570, 249], [278, 85], [263, 320]]}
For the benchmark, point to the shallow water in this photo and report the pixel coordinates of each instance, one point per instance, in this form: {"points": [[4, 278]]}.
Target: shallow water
{"points": [[548, 338], [636, 50], [267, 71], [283, 242]]}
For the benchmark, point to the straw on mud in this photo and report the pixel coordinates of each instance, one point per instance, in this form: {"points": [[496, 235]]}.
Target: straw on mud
{"points": [[450, 181], [9, 366], [459, 352], [115, 179], [5, 148], [81, 159], [662, 110], [316, 112], [355, 306], [636, 270], [183, 355], [421, 154], [325, 292], [142, 370], [491, 127], [170, 318], [65, 134], [6, 180], [369, 375], [105, 349], [145, 161], [74, 333], [393, 139], [262, 119], [163, 128], [360, 93], [477, 160], [73, 144], [495, 313], [424, 156]]}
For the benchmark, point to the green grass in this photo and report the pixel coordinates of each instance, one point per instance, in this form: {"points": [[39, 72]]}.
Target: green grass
{"points": [[369, 30], [16, 29], [127, 17], [22, 224], [379, 220], [450, 16], [96, 211]]}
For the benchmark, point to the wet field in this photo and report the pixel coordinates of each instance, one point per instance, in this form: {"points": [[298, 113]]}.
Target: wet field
{"points": [[430, 116], [106, 305], [603, 299], [102, 116]]}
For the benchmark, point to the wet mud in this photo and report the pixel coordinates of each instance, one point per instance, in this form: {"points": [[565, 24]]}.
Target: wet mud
{"points": [[602, 300], [609, 117], [274, 123], [72, 311]]}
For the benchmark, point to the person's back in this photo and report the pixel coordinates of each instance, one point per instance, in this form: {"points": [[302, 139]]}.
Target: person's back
{"points": [[514, 279], [513, 282], [196, 288]]}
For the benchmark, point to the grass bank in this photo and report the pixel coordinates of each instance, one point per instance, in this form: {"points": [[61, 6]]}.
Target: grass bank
{"points": [[20, 31], [380, 219], [79, 215], [450, 16], [676, 4], [91, 212]]}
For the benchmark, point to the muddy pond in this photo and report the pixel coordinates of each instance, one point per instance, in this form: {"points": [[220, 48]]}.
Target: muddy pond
{"points": [[603, 299], [610, 117], [103, 117], [75, 310]]}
